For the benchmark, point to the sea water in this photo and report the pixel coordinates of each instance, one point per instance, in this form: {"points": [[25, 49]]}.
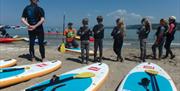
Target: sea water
{"points": [[131, 38]]}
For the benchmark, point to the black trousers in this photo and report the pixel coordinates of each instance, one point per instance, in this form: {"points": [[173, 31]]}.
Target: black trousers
{"points": [[167, 46], [39, 34], [98, 43], [117, 46], [73, 44]]}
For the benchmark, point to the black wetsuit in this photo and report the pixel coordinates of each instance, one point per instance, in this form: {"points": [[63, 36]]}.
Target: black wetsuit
{"points": [[33, 14], [169, 39], [118, 35], [98, 31], [160, 38], [84, 33]]}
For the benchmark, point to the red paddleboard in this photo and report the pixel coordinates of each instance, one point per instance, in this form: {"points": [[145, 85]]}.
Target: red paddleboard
{"points": [[7, 40]]}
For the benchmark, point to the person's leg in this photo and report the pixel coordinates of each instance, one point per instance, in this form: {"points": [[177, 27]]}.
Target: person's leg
{"points": [[170, 51], [120, 50], [144, 55], [75, 44], [160, 51], [40, 36], [67, 45], [166, 46], [100, 49], [82, 51], [154, 50], [116, 48], [141, 49], [95, 49], [32, 37], [87, 52]]}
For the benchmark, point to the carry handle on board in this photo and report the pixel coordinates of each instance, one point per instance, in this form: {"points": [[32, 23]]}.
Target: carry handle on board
{"points": [[152, 72], [84, 75]]}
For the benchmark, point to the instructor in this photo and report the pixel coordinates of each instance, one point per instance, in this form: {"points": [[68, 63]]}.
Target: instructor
{"points": [[33, 18]]}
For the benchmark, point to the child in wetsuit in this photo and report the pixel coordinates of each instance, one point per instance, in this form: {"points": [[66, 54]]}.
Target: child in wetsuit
{"points": [[84, 32]]}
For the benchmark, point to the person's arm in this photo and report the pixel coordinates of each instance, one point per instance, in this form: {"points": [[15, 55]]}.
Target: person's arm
{"points": [[113, 32], [171, 27], [24, 21]]}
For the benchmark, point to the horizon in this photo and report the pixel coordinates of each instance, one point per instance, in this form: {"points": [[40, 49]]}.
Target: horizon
{"points": [[131, 11]]}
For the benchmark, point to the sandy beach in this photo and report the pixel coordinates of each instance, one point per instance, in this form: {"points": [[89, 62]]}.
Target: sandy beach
{"points": [[70, 61]]}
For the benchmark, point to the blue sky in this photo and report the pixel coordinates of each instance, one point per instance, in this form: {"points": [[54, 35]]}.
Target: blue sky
{"points": [[75, 10]]}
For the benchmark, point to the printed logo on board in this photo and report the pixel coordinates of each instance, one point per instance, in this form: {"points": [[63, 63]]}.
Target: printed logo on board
{"points": [[94, 68], [41, 65], [148, 67]]}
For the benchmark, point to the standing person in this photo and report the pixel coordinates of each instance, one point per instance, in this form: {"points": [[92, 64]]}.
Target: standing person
{"points": [[160, 38], [33, 18], [84, 32], [170, 37], [70, 34], [98, 31], [118, 34], [143, 33]]}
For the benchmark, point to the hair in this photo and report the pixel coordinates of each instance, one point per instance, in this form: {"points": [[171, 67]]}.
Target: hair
{"points": [[99, 19], [85, 21], [147, 23]]}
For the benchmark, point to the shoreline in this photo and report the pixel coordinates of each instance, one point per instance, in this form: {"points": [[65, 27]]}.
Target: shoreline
{"points": [[70, 61]]}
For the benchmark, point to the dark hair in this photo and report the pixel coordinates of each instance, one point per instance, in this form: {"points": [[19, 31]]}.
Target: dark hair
{"points": [[85, 21], [117, 20], [99, 18], [70, 23]]}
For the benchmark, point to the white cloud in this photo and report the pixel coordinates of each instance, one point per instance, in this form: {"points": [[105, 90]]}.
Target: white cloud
{"points": [[130, 17]]}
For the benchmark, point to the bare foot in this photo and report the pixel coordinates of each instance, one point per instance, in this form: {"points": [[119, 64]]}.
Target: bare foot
{"points": [[33, 60]]}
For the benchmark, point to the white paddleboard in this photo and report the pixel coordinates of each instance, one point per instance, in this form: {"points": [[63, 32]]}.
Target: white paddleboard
{"points": [[139, 79], [63, 83], [7, 63], [78, 50], [17, 74]]}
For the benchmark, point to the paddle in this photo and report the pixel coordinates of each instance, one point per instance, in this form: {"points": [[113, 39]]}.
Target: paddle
{"points": [[62, 48], [153, 73], [55, 80]]}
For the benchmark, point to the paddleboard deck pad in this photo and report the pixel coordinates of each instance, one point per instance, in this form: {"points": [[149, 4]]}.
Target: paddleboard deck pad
{"points": [[65, 83], [7, 63], [147, 77], [78, 50], [17, 74]]}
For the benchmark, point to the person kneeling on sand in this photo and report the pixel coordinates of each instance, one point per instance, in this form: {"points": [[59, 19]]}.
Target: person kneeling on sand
{"points": [[70, 34]]}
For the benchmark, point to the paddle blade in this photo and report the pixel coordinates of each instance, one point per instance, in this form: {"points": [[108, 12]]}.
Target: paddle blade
{"points": [[84, 75], [152, 72], [62, 48]]}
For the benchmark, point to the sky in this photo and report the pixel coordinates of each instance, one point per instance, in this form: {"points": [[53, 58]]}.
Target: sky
{"points": [[131, 11]]}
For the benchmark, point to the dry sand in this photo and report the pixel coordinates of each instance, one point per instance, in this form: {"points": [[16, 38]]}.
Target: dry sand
{"points": [[70, 61]]}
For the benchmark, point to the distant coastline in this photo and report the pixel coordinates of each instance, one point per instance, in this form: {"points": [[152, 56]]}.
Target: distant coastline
{"points": [[136, 26]]}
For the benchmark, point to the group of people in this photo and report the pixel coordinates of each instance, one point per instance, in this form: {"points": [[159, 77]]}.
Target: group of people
{"points": [[33, 18]]}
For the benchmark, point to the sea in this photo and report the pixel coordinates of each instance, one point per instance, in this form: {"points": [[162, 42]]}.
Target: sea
{"points": [[131, 39]]}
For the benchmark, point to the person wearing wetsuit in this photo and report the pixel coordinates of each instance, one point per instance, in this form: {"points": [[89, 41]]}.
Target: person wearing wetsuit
{"points": [[170, 37], [33, 18], [160, 38], [3, 33], [84, 32], [118, 34], [98, 31], [143, 33], [70, 34]]}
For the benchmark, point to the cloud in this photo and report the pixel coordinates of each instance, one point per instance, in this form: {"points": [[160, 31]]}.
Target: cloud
{"points": [[127, 15]]}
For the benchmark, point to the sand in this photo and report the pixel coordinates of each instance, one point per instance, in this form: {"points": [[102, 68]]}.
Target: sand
{"points": [[71, 61]]}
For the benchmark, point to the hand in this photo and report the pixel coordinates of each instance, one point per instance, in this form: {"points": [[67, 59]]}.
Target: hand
{"points": [[31, 28]]}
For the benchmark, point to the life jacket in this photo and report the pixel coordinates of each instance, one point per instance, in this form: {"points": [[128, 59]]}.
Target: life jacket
{"points": [[70, 34]]}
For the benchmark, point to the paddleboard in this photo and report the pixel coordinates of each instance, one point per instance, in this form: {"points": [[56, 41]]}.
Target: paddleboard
{"points": [[17, 74], [147, 77], [64, 82], [78, 38], [7, 63], [78, 50], [53, 33], [7, 40]]}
